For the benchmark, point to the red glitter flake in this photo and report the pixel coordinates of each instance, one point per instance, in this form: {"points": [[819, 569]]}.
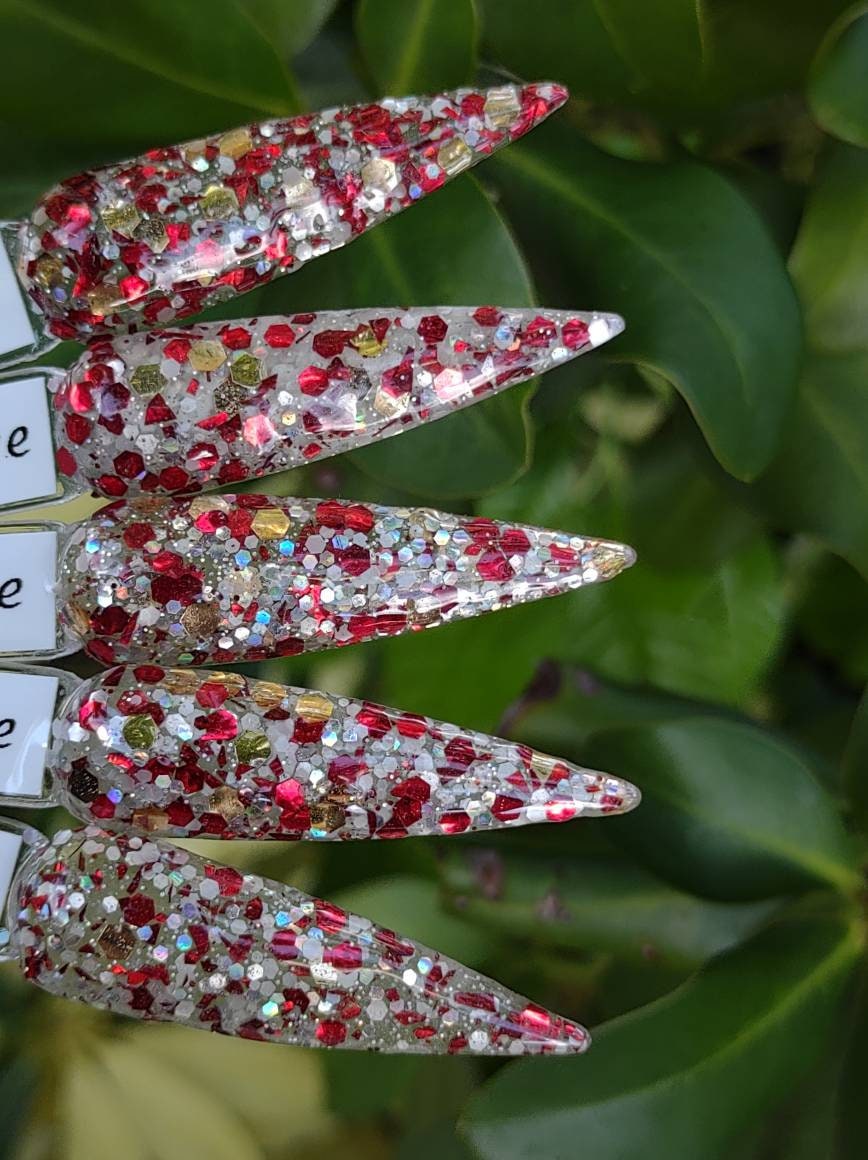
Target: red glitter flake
{"points": [[330, 1032]]}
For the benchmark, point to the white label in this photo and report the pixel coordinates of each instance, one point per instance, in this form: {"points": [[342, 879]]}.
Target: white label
{"points": [[15, 328], [26, 714], [26, 454], [28, 622], [10, 844]]}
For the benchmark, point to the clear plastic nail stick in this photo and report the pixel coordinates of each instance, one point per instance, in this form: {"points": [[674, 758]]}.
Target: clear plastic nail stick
{"points": [[226, 578], [194, 408], [158, 238], [202, 753], [142, 928]]}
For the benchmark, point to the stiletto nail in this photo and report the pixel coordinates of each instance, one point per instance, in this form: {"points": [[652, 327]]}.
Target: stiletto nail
{"points": [[197, 407], [163, 236], [191, 753], [221, 579], [142, 928]]}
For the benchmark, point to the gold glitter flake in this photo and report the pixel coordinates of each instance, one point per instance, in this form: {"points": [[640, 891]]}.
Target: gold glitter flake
{"points": [[314, 707], [543, 765], [233, 683], [116, 942], [367, 343], [502, 106], [270, 523], [380, 174], [235, 143], [140, 731], [78, 617], [246, 371], [218, 203], [266, 694], [151, 819], [122, 219], [201, 620], [48, 273], [228, 397], [252, 747], [327, 816], [147, 379], [226, 802], [454, 155], [194, 153], [207, 355], [152, 232], [207, 503], [104, 299], [388, 405], [182, 682]]}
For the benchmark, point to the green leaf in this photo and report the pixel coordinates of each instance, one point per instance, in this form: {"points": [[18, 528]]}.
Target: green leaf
{"points": [[418, 46], [680, 57], [452, 249], [709, 633], [829, 262], [686, 260], [728, 810], [819, 481], [685, 1075], [852, 1111], [838, 83], [837, 629], [290, 25], [856, 765], [136, 74], [593, 904]]}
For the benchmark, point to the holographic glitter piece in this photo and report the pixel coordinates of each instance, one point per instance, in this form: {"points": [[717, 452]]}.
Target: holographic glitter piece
{"points": [[133, 414], [257, 760], [178, 926], [161, 237], [188, 580]]}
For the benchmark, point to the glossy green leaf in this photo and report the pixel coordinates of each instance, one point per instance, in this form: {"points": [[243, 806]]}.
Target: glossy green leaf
{"points": [[856, 765], [290, 25], [135, 74], [593, 904], [709, 633], [819, 481], [679, 57], [830, 260], [728, 810], [837, 629], [685, 259], [683, 1076], [452, 249], [417, 46], [838, 84], [852, 1109]]}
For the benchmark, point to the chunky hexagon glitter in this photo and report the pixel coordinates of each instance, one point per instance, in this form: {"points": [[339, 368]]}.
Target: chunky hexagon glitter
{"points": [[210, 754], [223, 578], [145, 929], [163, 236], [208, 405]]}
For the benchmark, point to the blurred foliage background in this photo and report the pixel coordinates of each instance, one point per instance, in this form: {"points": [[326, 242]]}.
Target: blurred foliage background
{"points": [[709, 181]]}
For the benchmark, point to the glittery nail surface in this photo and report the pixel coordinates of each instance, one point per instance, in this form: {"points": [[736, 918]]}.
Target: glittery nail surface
{"points": [[161, 237], [229, 578], [203, 753], [198, 407], [145, 929]]}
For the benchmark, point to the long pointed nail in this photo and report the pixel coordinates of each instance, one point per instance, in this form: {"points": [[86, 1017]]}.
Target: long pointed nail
{"points": [[196, 753], [145, 929], [163, 236], [185, 410], [221, 579]]}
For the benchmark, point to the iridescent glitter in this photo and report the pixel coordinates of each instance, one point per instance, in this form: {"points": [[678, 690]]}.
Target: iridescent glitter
{"points": [[160, 237], [204, 753], [228, 578], [144, 929], [185, 410]]}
